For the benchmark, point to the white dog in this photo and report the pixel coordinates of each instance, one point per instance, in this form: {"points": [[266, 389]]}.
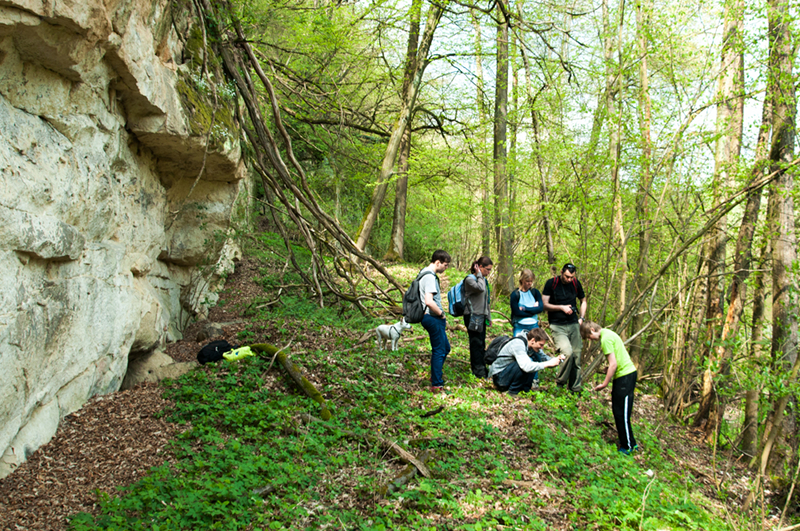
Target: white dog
{"points": [[387, 332]]}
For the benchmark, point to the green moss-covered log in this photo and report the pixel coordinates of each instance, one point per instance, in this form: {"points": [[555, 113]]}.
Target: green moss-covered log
{"points": [[296, 374]]}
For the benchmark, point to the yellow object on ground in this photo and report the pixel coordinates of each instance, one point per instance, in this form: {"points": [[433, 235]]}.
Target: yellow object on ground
{"points": [[238, 353]]}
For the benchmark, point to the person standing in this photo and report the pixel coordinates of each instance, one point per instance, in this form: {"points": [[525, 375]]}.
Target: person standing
{"points": [[565, 302], [622, 370], [526, 304], [434, 321], [477, 315]]}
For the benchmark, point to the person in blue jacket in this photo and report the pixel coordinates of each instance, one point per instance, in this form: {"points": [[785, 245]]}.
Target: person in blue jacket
{"points": [[526, 305]]}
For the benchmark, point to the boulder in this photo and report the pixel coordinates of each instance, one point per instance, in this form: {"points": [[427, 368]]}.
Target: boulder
{"points": [[154, 367]]}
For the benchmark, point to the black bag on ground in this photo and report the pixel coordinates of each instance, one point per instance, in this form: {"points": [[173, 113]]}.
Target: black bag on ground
{"points": [[494, 348], [413, 306], [213, 351]]}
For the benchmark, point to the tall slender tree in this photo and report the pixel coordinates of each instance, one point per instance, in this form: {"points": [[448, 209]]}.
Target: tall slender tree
{"points": [[781, 224], [416, 62], [643, 224], [480, 97], [395, 251], [730, 119], [502, 214]]}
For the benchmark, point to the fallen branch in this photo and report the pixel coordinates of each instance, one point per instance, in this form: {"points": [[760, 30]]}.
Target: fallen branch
{"points": [[405, 475], [432, 413], [404, 455], [297, 376]]}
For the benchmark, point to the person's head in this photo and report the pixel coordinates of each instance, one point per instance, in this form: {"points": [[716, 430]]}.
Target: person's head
{"points": [[484, 263], [440, 260], [590, 330], [525, 280], [536, 338], [568, 272]]}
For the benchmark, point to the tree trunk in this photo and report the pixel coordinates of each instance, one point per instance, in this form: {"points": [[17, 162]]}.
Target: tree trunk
{"points": [[643, 224], [505, 253], [486, 214], [750, 429], [614, 108], [781, 222], [543, 205], [730, 117], [395, 252], [415, 67]]}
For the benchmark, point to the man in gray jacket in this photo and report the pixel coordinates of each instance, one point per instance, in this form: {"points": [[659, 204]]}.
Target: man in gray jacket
{"points": [[513, 370]]}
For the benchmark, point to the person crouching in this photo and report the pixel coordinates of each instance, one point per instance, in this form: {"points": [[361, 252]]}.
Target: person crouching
{"points": [[513, 370]]}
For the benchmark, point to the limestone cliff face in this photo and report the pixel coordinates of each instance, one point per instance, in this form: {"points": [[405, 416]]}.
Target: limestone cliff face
{"points": [[103, 252]]}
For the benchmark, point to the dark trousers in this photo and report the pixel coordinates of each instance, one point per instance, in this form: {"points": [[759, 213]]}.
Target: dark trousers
{"points": [[440, 346], [622, 406], [477, 348], [513, 379]]}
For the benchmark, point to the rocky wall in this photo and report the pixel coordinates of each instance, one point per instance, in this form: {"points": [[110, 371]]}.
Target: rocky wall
{"points": [[104, 253]]}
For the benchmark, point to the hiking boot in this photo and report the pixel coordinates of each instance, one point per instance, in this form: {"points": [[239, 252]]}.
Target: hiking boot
{"points": [[437, 389]]}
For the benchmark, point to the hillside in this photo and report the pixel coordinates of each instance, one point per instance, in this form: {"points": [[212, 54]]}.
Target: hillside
{"points": [[243, 457]]}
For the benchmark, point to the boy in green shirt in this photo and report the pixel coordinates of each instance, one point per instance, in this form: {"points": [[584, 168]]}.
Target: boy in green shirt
{"points": [[622, 370]]}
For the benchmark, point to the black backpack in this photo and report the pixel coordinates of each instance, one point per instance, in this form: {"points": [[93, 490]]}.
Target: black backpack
{"points": [[413, 306], [213, 351], [494, 348]]}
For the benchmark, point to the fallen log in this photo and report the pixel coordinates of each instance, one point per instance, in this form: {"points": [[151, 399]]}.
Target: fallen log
{"points": [[297, 375], [405, 475], [404, 455]]}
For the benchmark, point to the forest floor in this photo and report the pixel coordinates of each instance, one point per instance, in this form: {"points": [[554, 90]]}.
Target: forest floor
{"points": [[115, 439]]}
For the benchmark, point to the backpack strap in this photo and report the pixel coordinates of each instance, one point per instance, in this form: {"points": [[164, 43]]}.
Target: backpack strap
{"points": [[463, 286], [424, 272], [574, 284], [523, 338]]}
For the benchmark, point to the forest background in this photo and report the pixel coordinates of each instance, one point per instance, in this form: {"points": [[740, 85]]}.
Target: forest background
{"points": [[651, 145]]}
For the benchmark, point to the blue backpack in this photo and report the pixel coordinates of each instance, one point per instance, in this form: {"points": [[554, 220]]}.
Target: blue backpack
{"points": [[455, 299]]}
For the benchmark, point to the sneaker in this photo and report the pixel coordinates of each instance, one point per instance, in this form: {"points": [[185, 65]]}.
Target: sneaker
{"points": [[437, 389]]}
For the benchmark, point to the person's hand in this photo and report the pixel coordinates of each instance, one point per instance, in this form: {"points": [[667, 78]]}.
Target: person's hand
{"points": [[567, 309], [599, 387]]}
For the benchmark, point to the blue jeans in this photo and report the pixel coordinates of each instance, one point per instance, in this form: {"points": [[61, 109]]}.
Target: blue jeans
{"points": [[513, 379], [522, 328], [440, 346]]}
